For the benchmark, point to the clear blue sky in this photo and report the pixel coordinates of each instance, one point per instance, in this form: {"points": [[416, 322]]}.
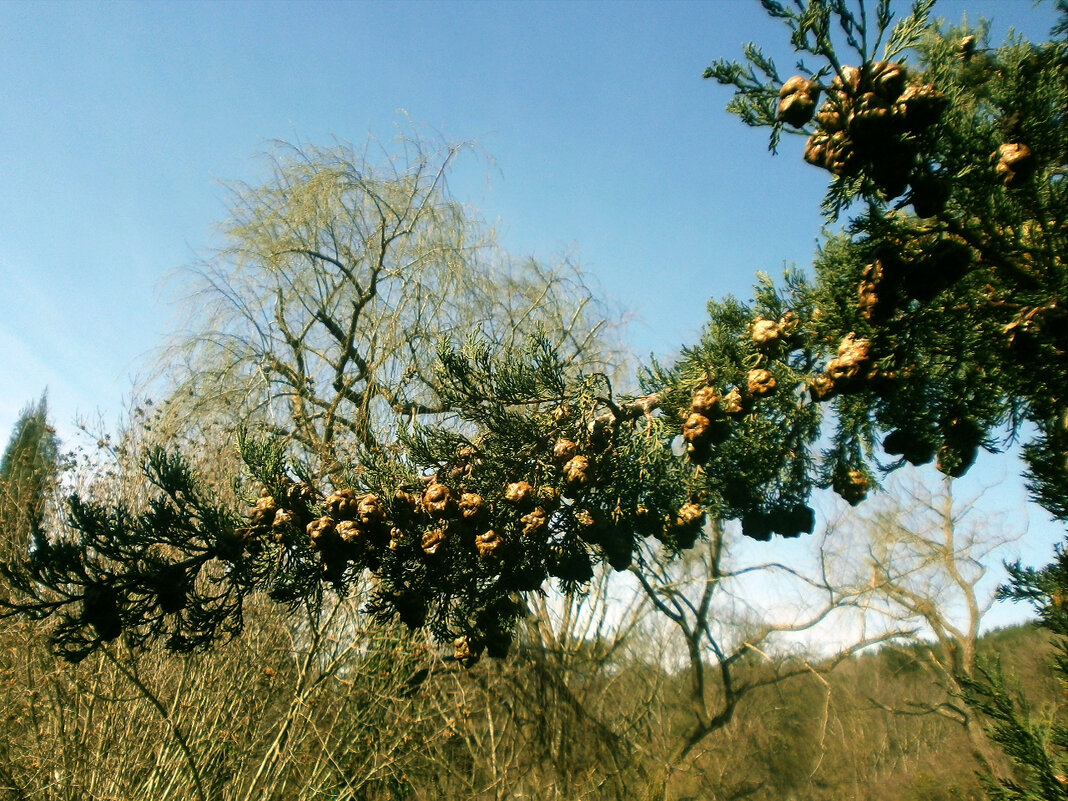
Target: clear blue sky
{"points": [[118, 120]]}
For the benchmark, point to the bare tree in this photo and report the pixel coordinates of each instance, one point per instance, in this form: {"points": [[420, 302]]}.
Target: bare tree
{"points": [[919, 565], [728, 643], [584, 708], [619, 692]]}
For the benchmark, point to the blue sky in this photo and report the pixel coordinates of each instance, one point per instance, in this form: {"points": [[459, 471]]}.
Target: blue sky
{"points": [[120, 120]]}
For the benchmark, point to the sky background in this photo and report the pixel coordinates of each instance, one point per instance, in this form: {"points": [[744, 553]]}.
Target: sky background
{"points": [[120, 123]]}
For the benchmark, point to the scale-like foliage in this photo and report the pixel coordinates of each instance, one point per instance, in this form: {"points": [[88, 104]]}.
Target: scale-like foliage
{"points": [[952, 268], [1036, 746]]}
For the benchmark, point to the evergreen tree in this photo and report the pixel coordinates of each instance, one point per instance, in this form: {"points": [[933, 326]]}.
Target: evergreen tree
{"points": [[944, 295], [28, 472], [934, 325], [1035, 744]]}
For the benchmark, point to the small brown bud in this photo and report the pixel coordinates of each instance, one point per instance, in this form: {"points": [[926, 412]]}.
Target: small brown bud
{"points": [[887, 79], [321, 532], [799, 83], [868, 298], [564, 449], [852, 364], [817, 150], [464, 653], [868, 121], [265, 501], [735, 403], [369, 510], [705, 401], [433, 541], [349, 531], [577, 472], [796, 109], [766, 334], [437, 499], [471, 504], [841, 371], [854, 349], [535, 522], [760, 383], [646, 521], [341, 504], [841, 154], [519, 492], [1015, 164], [849, 79], [915, 448], [830, 118], [696, 427], [920, 106], [585, 518], [821, 387], [299, 496], [488, 543], [689, 515], [757, 525], [407, 502], [284, 525], [788, 324], [851, 485], [263, 513], [962, 438]]}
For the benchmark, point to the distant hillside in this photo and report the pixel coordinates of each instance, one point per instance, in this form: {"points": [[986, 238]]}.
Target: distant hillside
{"points": [[880, 728]]}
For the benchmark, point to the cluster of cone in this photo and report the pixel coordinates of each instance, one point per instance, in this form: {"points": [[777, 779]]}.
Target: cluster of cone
{"points": [[955, 443], [522, 536], [918, 269], [708, 420], [851, 369], [868, 122]]}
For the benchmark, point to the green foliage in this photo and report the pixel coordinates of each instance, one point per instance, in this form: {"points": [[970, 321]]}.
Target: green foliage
{"points": [[179, 571], [1035, 742], [961, 299], [951, 269], [1034, 746], [29, 469], [813, 33]]}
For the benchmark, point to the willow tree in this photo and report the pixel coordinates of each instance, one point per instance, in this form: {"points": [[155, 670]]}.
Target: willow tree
{"points": [[320, 315], [933, 326]]}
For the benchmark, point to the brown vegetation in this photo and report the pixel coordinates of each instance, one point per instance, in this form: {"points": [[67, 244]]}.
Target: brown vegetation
{"points": [[320, 707]]}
